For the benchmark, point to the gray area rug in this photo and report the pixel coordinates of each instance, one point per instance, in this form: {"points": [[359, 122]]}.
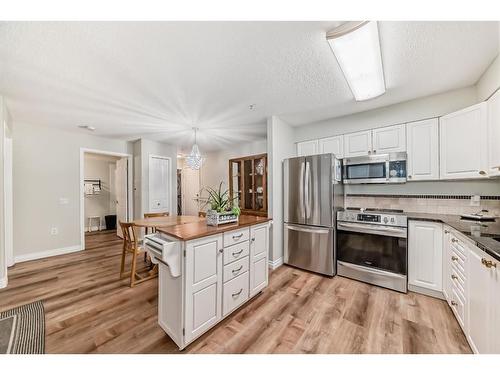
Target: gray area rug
{"points": [[22, 330]]}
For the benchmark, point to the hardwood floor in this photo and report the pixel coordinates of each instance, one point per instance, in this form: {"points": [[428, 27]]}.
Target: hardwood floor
{"points": [[89, 310]]}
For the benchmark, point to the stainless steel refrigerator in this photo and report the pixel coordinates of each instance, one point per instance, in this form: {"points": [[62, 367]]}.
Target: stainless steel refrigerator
{"points": [[313, 193]]}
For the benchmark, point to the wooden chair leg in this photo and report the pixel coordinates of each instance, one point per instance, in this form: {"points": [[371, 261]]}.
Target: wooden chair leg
{"points": [[133, 268], [122, 265]]}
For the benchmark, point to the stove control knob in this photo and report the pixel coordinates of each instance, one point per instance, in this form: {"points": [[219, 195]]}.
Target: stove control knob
{"points": [[386, 220]]}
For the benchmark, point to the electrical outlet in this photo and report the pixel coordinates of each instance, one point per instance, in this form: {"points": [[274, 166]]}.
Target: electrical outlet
{"points": [[475, 200], [54, 231]]}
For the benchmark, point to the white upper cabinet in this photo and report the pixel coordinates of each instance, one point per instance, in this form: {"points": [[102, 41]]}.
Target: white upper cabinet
{"points": [[464, 143], [308, 148], [423, 150], [493, 105], [425, 255], [358, 144], [389, 139], [334, 145]]}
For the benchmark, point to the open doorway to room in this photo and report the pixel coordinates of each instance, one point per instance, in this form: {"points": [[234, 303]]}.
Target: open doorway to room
{"points": [[189, 201], [106, 193]]}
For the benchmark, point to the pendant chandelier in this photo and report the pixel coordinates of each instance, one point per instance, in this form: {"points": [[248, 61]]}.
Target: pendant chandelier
{"points": [[194, 159]]}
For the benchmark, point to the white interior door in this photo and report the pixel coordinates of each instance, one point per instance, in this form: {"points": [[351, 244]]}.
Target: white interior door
{"points": [[190, 191], [121, 181], [9, 250], [159, 184]]}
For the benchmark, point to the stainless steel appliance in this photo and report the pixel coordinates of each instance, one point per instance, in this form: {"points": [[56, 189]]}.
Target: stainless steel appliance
{"points": [[312, 193], [375, 169], [372, 247]]}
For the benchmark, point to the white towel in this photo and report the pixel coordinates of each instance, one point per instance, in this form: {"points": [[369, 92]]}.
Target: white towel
{"points": [[89, 189]]}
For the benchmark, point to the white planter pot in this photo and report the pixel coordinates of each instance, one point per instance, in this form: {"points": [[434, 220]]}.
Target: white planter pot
{"points": [[215, 218]]}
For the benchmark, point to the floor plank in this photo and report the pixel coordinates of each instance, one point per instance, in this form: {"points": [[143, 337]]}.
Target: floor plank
{"points": [[90, 310]]}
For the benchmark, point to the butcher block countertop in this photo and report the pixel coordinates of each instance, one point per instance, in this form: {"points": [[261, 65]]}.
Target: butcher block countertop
{"points": [[191, 231]]}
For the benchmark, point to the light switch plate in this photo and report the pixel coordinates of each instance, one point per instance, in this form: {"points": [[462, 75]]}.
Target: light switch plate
{"points": [[475, 200], [63, 201]]}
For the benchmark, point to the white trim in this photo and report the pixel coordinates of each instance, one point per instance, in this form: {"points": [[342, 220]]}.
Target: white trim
{"points": [[169, 174], [275, 264], [130, 182], [8, 204], [425, 291], [3, 282], [47, 253]]}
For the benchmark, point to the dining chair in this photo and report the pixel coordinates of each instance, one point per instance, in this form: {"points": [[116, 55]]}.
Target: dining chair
{"points": [[131, 246]]}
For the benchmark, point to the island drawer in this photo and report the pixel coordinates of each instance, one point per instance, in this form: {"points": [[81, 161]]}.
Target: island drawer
{"points": [[236, 268], [236, 252], [236, 236], [235, 293]]}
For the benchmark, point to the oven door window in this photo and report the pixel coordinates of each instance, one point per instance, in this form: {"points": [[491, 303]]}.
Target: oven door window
{"points": [[371, 250], [363, 171]]}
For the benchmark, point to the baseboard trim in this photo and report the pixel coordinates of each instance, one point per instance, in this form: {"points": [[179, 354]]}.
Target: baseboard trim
{"points": [[427, 292], [3, 282], [47, 253], [275, 264]]}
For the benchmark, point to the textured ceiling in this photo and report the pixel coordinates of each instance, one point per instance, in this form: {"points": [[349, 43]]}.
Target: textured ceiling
{"points": [[158, 79]]}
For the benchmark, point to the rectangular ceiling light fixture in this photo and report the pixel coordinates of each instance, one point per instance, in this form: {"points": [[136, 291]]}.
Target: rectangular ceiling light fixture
{"points": [[356, 46]]}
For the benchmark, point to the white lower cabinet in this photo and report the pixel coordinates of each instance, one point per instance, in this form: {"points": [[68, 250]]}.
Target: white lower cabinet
{"points": [[219, 274], [425, 254]]}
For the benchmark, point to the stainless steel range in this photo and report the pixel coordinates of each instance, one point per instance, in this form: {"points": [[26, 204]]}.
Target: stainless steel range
{"points": [[372, 247]]}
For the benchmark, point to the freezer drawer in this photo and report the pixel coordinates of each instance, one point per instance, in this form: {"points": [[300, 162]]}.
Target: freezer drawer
{"points": [[310, 248]]}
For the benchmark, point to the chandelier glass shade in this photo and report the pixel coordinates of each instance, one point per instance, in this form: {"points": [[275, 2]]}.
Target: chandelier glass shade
{"points": [[194, 160]]}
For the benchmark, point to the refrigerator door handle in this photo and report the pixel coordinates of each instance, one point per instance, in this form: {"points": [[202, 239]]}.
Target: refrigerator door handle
{"points": [[307, 183], [308, 230], [301, 190]]}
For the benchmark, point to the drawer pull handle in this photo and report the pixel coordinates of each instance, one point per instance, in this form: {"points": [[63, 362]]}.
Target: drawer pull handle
{"points": [[454, 240], [237, 237], [454, 277], [237, 253], [237, 294], [446, 231], [237, 271], [488, 263], [454, 258], [453, 303]]}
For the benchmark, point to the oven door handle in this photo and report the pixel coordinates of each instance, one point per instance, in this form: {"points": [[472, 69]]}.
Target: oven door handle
{"points": [[373, 229]]}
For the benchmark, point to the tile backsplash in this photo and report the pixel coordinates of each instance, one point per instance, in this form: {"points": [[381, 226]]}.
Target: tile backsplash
{"points": [[452, 205]]}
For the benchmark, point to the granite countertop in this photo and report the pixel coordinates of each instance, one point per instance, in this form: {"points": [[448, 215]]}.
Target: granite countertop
{"points": [[193, 230], [482, 233]]}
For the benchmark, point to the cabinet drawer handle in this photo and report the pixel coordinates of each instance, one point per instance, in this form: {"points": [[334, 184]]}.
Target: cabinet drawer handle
{"points": [[453, 303], [237, 294], [237, 253], [237, 237], [482, 173], [454, 240], [237, 271], [454, 277], [454, 258], [446, 231], [488, 263]]}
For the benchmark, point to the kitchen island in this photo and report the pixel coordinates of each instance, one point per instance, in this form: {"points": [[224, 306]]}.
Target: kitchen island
{"points": [[205, 272]]}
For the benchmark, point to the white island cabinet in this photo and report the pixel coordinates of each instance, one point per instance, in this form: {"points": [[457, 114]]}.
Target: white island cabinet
{"points": [[220, 270]]}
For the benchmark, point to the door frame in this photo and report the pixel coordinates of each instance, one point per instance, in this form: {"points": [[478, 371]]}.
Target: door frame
{"points": [[130, 186], [169, 183]]}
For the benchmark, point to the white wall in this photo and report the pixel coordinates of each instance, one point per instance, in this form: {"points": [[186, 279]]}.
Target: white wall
{"points": [[489, 81], [46, 169], [216, 166], [146, 148], [100, 167], [280, 145]]}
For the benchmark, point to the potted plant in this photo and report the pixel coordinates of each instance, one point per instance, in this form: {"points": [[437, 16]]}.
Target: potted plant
{"points": [[222, 210]]}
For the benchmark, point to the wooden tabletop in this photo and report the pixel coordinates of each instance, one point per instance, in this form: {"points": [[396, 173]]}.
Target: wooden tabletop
{"points": [[165, 221], [193, 230]]}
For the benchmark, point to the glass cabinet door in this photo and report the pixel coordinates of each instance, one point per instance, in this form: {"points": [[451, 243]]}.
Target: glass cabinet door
{"points": [[235, 170], [248, 183], [259, 182]]}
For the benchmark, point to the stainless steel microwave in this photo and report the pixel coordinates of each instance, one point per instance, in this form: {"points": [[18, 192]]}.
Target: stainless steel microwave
{"points": [[375, 169]]}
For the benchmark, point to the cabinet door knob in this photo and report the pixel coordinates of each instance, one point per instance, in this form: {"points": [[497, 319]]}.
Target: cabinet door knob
{"points": [[453, 303], [482, 173], [221, 251], [374, 151], [488, 263], [446, 231], [369, 152], [454, 277], [409, 176], [454, 258], [253, 239]]}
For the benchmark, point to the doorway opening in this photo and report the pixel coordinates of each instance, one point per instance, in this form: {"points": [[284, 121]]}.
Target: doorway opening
{"points": [[105, 191]]}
